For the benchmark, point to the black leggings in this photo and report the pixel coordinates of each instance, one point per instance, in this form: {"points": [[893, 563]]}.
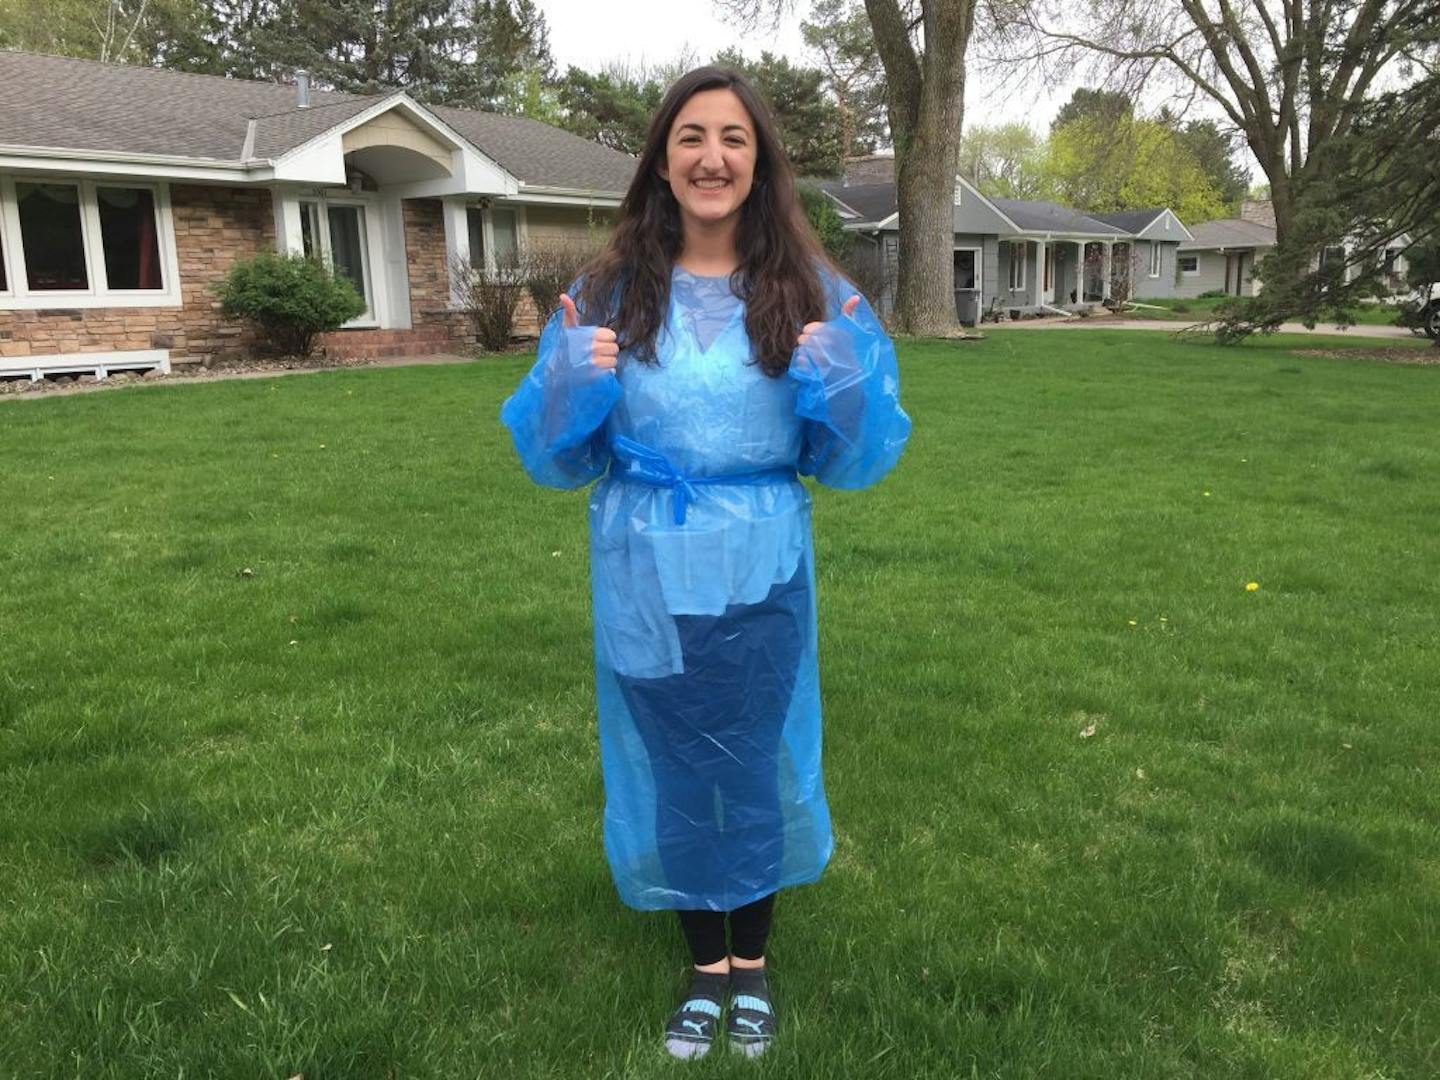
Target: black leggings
{"points": [[749, 928]]}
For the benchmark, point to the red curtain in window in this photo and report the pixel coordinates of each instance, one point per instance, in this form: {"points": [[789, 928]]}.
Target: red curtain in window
{"points": [[149, 252]]}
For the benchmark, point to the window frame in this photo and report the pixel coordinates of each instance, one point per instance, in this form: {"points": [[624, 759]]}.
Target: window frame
{"points": [[487, 233], [20, 297], [321, 200], [1155, 259], [1017, 280], [1180, 262]]}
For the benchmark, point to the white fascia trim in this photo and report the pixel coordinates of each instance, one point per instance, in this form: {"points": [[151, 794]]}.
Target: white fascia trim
{"points": [[559, 196], [891, 222], [42, 159], [984, 199]]}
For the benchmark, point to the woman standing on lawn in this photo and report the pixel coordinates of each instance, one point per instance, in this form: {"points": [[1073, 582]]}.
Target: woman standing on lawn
{"points": [[709, 355]]}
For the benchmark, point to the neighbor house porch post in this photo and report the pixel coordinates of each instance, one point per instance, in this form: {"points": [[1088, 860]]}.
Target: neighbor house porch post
{"points": [[1106, 264], [1080, 271]]}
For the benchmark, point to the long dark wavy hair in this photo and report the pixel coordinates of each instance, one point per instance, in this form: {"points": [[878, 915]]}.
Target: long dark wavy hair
{"points": [[627, 286]]}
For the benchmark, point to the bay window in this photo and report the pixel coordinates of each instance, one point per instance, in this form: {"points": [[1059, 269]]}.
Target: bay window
{"points": [[84, 243]]}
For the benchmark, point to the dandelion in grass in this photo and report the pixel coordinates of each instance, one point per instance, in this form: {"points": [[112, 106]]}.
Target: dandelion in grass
{"points": [[1252, 586]]}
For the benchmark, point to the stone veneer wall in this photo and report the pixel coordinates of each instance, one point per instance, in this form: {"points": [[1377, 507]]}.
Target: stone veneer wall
{"points": [[214, 226], [430, 278]]}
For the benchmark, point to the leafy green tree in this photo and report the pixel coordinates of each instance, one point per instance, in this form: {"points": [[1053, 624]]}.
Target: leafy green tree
{"points": [[1214, 151], [1006, 161], [1093, 164], [1105, 108], [612, 107]]}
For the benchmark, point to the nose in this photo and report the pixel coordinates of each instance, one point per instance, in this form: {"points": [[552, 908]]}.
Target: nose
{"points": [[713, 158]]}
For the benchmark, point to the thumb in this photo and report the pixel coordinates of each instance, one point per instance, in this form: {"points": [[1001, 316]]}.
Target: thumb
{"points": [[572, 317], [850, 305]]}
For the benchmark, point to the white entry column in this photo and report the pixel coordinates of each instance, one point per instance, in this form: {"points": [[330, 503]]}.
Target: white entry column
{"points": [[457, 244], [1105, 271], [1079, 271]]}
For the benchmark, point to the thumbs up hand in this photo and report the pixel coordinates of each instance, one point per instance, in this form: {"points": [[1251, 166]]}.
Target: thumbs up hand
{"points": [[847, 309], [604, 349]]}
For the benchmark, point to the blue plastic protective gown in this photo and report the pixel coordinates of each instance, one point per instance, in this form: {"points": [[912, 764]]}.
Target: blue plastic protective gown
{"points": [[702, 574]]}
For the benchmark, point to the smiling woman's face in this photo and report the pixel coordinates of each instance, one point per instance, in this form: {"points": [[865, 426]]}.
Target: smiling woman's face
{"points": [[710, 158]]}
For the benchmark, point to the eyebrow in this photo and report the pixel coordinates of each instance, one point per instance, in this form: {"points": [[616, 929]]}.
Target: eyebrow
{"points": [[728, 127]]}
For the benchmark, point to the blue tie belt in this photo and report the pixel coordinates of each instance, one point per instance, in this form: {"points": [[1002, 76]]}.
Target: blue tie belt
{"points": [[636, 463]]}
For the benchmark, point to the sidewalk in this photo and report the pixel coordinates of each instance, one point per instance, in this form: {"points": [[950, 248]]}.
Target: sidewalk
{"points": [[1106, 322]]}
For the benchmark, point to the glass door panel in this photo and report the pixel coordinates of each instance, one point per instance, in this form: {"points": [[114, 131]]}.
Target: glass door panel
{"points": [[347, 248]]}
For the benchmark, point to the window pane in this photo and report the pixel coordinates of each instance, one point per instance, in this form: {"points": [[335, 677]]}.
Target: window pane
{"points": [[309, 216], [475, 224], [347, 247], [51, 236], [127, 233], [502, 227]]}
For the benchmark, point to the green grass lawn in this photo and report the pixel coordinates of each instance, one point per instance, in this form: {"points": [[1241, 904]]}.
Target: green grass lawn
{"points": [[299, 774], [1200, 310]]}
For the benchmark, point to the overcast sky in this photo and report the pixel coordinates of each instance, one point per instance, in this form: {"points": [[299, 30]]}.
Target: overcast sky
{"points": [[657, 31]]}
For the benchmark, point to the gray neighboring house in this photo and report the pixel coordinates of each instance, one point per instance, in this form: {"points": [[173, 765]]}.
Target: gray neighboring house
{"points": [[1022, 256], [1225, 252], [127, 193], [1222, 256]]}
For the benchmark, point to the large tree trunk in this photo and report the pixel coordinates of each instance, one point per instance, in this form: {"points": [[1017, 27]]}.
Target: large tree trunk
{"points": [[926, 96]]}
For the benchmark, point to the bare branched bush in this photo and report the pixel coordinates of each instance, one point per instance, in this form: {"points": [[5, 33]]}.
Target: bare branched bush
{"points": [[548, 269], [491, 300]]}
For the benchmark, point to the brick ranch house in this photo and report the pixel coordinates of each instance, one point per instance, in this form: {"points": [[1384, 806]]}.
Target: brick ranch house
{"points": [[126, 193]]}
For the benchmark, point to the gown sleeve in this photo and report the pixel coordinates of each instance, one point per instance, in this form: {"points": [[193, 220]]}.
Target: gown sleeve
{"points": [[848, 394], [557, 414]]}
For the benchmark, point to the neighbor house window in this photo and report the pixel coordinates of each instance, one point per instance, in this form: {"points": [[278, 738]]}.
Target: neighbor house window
{"points": [[1189, 264], [82, 243], [1154, 259], [1017, 266]]}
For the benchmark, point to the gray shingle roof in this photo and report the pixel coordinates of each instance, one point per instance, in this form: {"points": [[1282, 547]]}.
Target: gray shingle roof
{"points": [[1131, 221], [539, 154], [67, 104], [1229, 233], [59, 102], [873, 202], [1035, 216]]}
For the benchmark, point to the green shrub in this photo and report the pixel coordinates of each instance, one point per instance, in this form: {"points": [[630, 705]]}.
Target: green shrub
{"points": [[1213, 294], [289, 298]]}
